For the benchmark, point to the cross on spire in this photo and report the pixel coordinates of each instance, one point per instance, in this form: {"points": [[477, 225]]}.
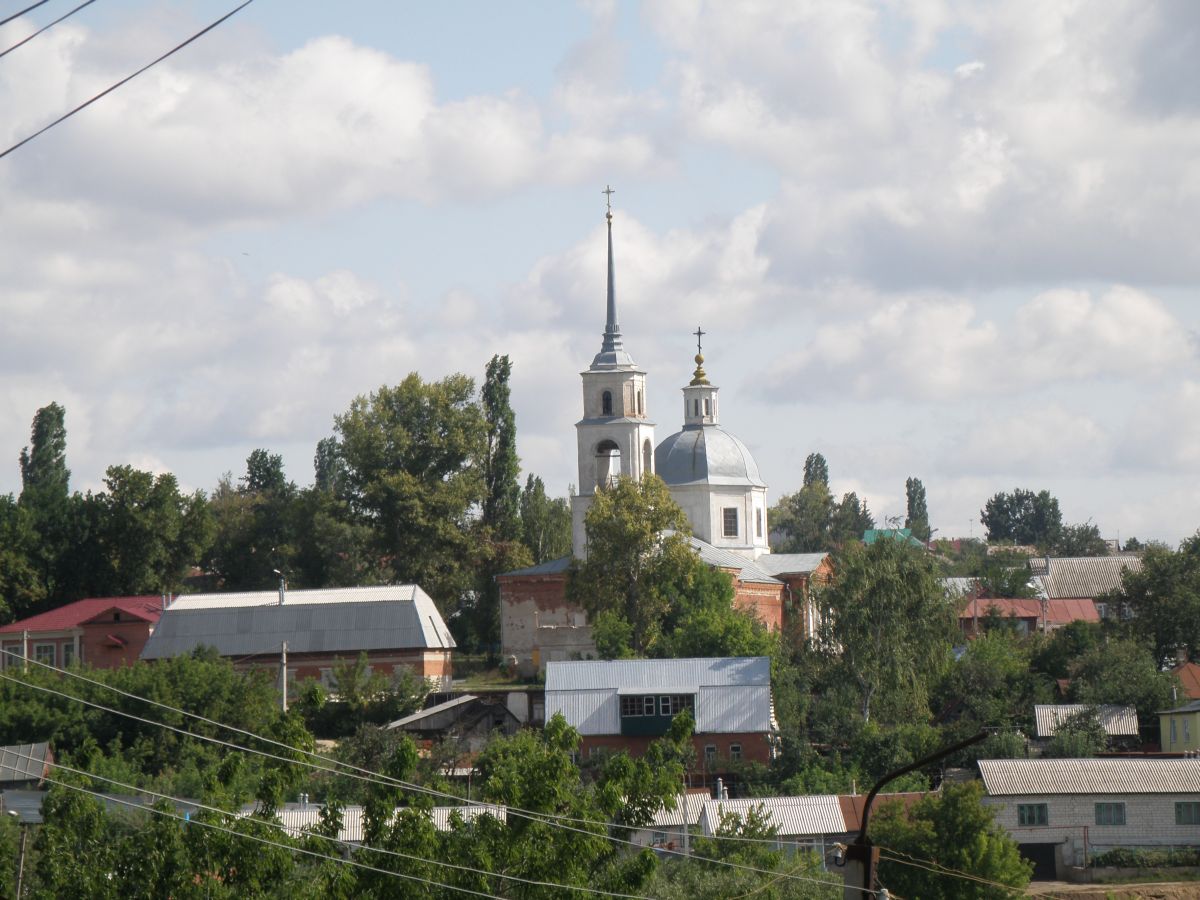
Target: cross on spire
{"points": [[608, 192], [699, 334]]}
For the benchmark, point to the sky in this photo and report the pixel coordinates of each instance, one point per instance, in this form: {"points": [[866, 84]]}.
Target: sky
{"points": [[948, 240]]}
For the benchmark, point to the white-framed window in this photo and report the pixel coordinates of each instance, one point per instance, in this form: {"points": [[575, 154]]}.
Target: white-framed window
{"points": [[327, 678], [45, 653], [1110, 813], [735, 751], [710, 755], [1033, 814], [729, 521]]}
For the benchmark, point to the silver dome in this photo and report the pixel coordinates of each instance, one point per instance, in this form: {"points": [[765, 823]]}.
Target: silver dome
{"points": [[706, 454]]}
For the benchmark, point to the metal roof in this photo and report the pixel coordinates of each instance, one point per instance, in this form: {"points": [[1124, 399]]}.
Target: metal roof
{"points": [[297, 818], [1189, 678], [431, 711], [1192, 707], [688, 810], [1116, 720], [791, 816], [578, 675], [747, 569], [344, 622], [147, 608], [1080, 576], [24, 762], [550, 567], [790, 563], [1015, 777], [27, 805], [705, 454]]}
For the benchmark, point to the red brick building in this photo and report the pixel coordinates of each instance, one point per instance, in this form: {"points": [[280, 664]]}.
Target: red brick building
{"points": [[103, 632]]}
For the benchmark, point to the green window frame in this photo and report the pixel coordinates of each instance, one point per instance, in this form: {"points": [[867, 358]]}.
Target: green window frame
{"points": [[1187, 812], [1033, 814], [1110, 813]]}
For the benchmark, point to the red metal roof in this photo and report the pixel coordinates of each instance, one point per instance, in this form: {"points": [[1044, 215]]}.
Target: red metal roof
{"points": [[147, 608], [1189, 677], [1058, 611]]}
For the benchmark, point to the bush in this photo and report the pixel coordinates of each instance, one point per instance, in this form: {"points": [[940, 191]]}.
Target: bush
{"points": [[1142, 858]]}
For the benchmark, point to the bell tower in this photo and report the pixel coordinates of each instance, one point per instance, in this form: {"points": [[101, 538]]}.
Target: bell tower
{"points": [[614, 437]]}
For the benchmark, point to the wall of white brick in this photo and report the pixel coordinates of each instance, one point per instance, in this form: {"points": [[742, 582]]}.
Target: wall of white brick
{"points": [[1149, 822]]}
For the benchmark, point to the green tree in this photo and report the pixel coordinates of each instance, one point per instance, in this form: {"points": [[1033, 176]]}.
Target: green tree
{"points": [[545, 522], [1055, 655], [917, 517], [803, 519], [816, 470], [329, 469], [21, 588], [998, 580], [1023, 517], [44, 494], [1122, 672], [955, 835], [849, 520], [414, 473], [1078, 736], [1164, 598], [702, 619], [255, 531], [992, 686], [638, 556], [1081, 540], [886, 610]]}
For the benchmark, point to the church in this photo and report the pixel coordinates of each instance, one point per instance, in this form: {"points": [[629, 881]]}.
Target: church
{"points": [[711, 475]]}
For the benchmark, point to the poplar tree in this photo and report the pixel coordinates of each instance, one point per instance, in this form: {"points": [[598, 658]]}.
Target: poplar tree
{"points": [[918, 514]]}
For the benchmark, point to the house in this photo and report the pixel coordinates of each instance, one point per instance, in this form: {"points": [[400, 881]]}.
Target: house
{"points": [[625, 704], [1025, 615], [470, 719], [1117, 721], [398, 627], [1063, 811], [1081, 577], [25, 766], [1180, 728], [1188, 674], [102, 632], [666, 829]]}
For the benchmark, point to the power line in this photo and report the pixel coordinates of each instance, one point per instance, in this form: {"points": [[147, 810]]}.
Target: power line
{"points": [[939, 869], [368, 776], [18, 15], [409, 856], [201, 824], [126, 79], [66, 15]]}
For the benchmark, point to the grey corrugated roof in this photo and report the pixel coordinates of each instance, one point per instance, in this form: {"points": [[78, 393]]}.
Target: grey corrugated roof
{"points": [[1116, 720], [791, 816], [382, 620], [749, 571], [26, 804], [590, 675], [23, 762], [296, 818], [705, 454], [431, 711], [1194, 706], [790, 563], [551, 567], [384, 593], [687, 809], [1080, 576], [1015, 777]]}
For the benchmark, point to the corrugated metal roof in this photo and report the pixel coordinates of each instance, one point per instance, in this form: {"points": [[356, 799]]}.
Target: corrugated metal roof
{"points": [[1116, 720], [577, 675], [729, 709], [1081, 576], [726, 559], [1015, 777], [687, 809], [1189, 679], [297, 819], [791, 816], [550, 567], [26, 804], [431, 711], [386, 593], [23, 762], [146, 607], [790, 563], [1194, 706], [590, 712], [379, 619]]}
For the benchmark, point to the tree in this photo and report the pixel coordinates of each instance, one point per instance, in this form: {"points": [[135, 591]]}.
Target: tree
{"points": [[703, 620], [329, 469], [638, 557], [21, 588], [1023, 517], [414, 455], [44, 494], [803, 519], [1132, 544], [849, 520], [1122, 672], [949, 835], [502, 491], [256, 528], [992, 686], [918, 515], [998, 580], [1078, 736], [887, 611], [1081, 540], [1164, 598], [545, 522], [816, 470]]}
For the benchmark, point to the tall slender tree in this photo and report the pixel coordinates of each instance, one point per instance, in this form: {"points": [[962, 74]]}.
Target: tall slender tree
{"points": [[502, 468], [918, 514], [44, 486], [816, 469]]}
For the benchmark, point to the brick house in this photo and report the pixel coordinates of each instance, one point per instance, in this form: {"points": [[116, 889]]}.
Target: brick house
{"points": [[1026, 615], [398, 627], [102, 632], [628, 703]]}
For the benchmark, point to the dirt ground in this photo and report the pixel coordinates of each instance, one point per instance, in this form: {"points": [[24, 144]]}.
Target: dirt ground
{"points": [[1177, 890]]}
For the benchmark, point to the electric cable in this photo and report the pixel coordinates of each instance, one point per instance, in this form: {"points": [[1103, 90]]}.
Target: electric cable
{"points": [[18, 15], [126, 79], [26, 40], [939, 869]]}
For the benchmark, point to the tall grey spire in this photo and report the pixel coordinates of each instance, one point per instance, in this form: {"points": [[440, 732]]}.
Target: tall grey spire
{"points": [[612, 352]]}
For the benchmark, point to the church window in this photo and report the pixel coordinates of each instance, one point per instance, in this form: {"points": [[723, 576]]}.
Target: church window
{"points": [[707, 407], [695, 407], [641, 409], [606, 403], [729, 521], [647, 457], [608, 463], [758, 523]]}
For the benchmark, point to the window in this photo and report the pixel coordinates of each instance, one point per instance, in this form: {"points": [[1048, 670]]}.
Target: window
{"points": [[695, 407], [641, 408], [1110, 813], [68, 654], [44, 653], [758, 523], [729, 521], [1174, 737], [1033, 814], [710, 756], [1187, 813], [606, 403], [735, 751], [667, 705], [707, 407], [647, 457]]}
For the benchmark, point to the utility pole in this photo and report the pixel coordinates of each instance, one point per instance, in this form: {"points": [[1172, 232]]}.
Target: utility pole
{"points": [[283, 675]]}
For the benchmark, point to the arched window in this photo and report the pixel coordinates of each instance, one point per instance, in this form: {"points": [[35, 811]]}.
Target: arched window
{"points": [[641, 409], [608, 463], [695, 407], [707, 407], [606, 403], [647, 457]]}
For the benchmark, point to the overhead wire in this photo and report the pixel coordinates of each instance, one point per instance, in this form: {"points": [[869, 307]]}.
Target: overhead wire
{"points": [[126, 79], [551, 819], [939, 869], [18, 15], [47, 27], [349, 844]]}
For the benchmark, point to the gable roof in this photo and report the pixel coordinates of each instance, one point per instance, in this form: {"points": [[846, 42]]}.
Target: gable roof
{"points": [[20, 763], [1189, 679], [147, 608], [657, 674], [338, 620], [550, 567], [1057, 612], [790, 563], [1116, 720], [434, 710], [1014, 777], [791, 816], [1193, 707], [1080, 576]]}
